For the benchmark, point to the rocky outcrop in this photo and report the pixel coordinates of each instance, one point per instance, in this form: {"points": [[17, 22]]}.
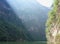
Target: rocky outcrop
{"points": [[53, 34]]}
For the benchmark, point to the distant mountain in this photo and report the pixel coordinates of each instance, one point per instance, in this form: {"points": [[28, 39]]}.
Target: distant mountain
{"points": [[34, 17]]}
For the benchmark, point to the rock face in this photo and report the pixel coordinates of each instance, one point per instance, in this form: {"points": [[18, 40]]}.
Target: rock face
{"points": [[53, 23]]}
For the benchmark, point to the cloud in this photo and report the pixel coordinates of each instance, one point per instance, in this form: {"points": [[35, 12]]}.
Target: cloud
{"points": [[46, 3]]}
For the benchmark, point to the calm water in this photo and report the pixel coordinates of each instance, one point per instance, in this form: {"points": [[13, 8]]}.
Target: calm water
{"points": [[35, 42]]}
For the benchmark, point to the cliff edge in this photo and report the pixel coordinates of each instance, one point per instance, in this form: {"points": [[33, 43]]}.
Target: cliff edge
{"points": [[53, 24]]}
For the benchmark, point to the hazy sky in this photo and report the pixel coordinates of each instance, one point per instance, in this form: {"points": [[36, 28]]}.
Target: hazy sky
{"points": [[46, 3]]}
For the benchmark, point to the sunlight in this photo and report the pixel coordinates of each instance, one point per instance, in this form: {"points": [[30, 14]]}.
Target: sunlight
{"points": [[46, 3]]}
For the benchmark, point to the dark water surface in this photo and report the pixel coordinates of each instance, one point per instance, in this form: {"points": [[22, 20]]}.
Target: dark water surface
{"points": [[35, 42]]}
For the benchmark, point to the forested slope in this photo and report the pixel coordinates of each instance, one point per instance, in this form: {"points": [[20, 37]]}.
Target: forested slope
{"points": [[10, 24]]}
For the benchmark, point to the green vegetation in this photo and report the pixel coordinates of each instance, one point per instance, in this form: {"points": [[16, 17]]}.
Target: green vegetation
{"points": [[10, 25], [53, 23], [52, 17]]}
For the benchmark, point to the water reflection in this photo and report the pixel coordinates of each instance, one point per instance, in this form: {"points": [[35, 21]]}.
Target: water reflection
{"points": [[35, 42], [31, 42], [53, 42], [25, 42]]}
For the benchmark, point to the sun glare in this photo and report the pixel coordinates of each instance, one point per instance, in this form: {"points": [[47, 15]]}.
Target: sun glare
{"points": [[46, 3]]}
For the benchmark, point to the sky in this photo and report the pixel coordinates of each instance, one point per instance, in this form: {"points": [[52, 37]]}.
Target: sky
{"points": [[46, 3]]}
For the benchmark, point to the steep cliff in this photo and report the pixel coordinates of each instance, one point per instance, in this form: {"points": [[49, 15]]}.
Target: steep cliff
{"points": [[53, 24], [11, 25]]}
